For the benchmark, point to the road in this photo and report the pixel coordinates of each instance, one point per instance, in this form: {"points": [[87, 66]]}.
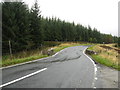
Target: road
{"points": [[70, 68]]}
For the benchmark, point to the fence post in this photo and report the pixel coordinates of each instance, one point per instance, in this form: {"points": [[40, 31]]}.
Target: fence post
{"points": [[10, 49]]}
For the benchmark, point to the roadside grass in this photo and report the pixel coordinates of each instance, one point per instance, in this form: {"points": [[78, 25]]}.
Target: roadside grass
{"points": [[69, 44], [91, 48], [113, 45], [21, 60], [23, 56], [108, 57], [106, 62], [26, 56]]}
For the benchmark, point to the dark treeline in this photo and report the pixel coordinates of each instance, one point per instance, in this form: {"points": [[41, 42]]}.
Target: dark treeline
{"points": [[25, 29], [56, 30]]}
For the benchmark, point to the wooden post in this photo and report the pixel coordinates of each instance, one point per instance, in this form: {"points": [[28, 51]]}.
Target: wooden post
{"points": [[10, 49]]}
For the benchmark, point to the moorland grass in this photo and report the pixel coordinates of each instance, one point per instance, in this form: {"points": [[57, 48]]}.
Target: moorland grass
{"points": [[21, 60], [105, 57]]}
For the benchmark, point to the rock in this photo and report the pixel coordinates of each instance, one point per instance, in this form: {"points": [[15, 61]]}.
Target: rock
{"points": [[50, 51], [90, 52]]}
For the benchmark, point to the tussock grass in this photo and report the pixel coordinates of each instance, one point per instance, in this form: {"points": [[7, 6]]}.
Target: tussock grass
{"points": [[108, 57], [21, 60], [106, 61], [21, 57], [112, 45], [69, 44], [24, 56]]}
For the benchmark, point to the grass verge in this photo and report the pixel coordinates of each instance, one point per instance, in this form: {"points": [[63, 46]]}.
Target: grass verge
{"points": [[69, 44], [21, 60], [105, 56], [105, 61]]}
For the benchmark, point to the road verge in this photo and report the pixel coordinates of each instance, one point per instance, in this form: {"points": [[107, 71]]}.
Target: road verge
{"points": [[106, 56]]}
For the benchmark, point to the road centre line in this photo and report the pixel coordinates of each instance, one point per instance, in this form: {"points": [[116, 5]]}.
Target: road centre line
{"points": [[24, 77]]}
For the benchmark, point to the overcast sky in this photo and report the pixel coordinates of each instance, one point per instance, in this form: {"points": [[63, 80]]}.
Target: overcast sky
{"points": [[101, 14]]}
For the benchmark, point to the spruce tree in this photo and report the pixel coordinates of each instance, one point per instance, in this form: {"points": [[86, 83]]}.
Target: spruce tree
{"points": [[35, 25]]}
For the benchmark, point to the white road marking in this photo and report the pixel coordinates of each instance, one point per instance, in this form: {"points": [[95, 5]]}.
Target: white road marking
{"points": [[94, 87], [96, 78], [16, 80], [95, 67], [58, 52]]}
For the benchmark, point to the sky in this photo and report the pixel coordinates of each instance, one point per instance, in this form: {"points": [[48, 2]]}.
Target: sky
{"points": [[101, 14]]}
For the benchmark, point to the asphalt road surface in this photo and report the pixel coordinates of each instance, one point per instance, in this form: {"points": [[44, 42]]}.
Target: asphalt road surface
{"points": [[70, 68]]}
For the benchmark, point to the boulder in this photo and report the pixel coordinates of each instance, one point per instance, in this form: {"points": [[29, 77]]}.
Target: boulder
{"points": [[50, 51], [90, 52]]}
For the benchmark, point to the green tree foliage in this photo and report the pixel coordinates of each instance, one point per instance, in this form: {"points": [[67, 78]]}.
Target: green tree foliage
{"points": [[26, 29], [15, 25], [35, 26]]}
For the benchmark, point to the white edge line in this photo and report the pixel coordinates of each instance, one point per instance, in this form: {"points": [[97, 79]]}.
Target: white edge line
{"points": [[31, 61], [95, 67], [91, 60], [96, 78], [16, 80], [94, 87], [58, 52], [89, 57]]}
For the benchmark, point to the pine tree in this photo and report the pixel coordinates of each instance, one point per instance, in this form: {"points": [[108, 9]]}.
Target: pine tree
{"points": [[36, 31], [15, 25]]}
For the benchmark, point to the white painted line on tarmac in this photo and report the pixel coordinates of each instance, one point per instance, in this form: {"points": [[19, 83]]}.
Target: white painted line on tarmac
{"points": [[95, 68], [58, 52], [96, 78], [16, 80]]}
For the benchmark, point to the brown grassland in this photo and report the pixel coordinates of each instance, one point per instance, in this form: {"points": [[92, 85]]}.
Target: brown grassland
{"points": [[107, 54]]}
